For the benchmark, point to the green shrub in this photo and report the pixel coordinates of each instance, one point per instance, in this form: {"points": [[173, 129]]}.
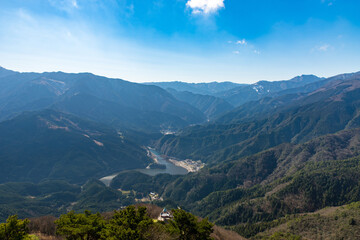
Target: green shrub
{"points": [[14, 229]]}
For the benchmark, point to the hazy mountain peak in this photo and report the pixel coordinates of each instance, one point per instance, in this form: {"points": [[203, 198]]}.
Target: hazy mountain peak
{"points": [[204, 88], [5, 72]]}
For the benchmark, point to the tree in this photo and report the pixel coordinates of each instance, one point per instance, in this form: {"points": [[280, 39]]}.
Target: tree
{"points": [[83, 226], [14, 229], [128, 224], [188, 227]]}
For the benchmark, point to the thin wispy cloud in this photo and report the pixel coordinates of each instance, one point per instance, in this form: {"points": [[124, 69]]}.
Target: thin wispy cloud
{"points": [[243, 46], [324, 47], [242, 42], [116, 38], [328, 2], [65, 5], [74, 3], [205, 6]]}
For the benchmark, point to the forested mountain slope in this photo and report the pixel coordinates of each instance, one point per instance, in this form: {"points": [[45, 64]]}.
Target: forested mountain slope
{"points": [[51, 145], [329, 109], [95, 96], [265, 167], [283, 100], [211, 106], [269, 185], [246, 93]]}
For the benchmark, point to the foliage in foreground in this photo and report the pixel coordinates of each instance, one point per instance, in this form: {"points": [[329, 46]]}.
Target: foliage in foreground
{"points": [[132, 223], [14, 229]]}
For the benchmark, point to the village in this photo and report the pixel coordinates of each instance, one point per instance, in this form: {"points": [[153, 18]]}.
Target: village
{"points": [[188, 164]]}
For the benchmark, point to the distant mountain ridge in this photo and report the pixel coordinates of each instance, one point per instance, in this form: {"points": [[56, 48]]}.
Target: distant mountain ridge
{"points": [[138, 106], [329, 109], [5, 72], [237, 94], [242, 94], [289, 98], [211, 106], [35, 91], [210, 88]]}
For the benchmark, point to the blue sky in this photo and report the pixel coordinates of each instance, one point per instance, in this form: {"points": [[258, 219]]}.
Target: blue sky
{"points": [[182, 40]]}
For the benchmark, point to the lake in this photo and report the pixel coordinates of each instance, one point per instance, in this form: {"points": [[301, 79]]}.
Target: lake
{"points": [[170, 169]]}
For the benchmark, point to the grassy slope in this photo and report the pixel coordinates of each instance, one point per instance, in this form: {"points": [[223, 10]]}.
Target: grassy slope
{"points": [[329, 223]]}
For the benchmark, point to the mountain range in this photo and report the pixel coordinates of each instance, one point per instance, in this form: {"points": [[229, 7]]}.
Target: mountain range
{"points": [[115, 102], [266, 123], [270, 149], [198, 88]]}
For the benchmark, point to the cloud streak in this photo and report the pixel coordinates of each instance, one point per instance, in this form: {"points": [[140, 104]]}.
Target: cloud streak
{"points": [[205, 6], [242, 42], [65, 5], [322, 48]]}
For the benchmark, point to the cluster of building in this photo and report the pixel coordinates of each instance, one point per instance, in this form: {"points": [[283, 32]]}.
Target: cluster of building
{"points": [[188, 164], [154, 196]]}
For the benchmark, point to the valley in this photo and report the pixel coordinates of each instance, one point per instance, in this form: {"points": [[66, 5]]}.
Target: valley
{"points": [[254, 167], [179, 120], [169, 168]]}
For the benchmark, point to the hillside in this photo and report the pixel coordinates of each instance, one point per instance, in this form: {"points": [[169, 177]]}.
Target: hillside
{"points": [[238, 94], [95, 96], [118, 116], [332, 108], [51, 145], [248, 194], [262, 168], [211, 106], [329, 223], [4, 72], [287, 179], [265, 167], [242, 94], [285, 100], [55, 197]]}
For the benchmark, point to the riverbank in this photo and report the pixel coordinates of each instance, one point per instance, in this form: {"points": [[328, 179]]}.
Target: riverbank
{"points": [[151, 154], [189, 165], [169, 168]]}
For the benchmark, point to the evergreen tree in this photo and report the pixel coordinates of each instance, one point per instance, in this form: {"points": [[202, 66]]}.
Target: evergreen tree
{"points": [[188, 227], [128, 224], [83, 226], [14, 229]]}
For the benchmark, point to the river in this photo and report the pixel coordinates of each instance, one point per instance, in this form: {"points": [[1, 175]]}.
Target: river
{"points": [[170, 169]]}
